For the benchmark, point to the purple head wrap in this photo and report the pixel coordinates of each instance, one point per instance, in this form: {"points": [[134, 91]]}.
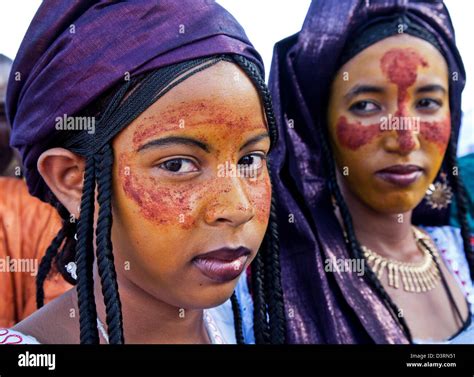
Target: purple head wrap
{"points": [[74, 51], [336, 307]]}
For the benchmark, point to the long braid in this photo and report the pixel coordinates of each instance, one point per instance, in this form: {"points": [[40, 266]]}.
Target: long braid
{"points": [[274, 291], [85, 258], [261, 329], [45, 266], [239, 335], [352, 242], [105, 259], [54, 250], [462, 203]]}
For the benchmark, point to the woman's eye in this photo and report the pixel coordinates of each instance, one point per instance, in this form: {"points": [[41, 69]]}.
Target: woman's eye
{"points": [[253, 161], [428, 104], [364, 107], [179, 165]]}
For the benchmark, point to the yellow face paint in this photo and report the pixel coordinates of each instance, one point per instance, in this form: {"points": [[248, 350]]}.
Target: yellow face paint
{"points": [[389, 122]]}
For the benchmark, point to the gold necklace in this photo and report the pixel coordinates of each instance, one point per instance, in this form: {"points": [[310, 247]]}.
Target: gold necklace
{"points": [[417, 278]]}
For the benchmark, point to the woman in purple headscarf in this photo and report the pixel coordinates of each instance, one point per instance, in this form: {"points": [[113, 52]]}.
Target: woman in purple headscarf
{"points": [[367, 99], [157, 112]]}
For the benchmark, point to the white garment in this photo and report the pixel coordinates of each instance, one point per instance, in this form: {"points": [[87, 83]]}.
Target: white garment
{"points": [[8, 336], [450, 246], [224, 316]]}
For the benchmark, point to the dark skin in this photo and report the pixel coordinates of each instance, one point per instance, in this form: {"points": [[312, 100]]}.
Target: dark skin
{"points": [[169, 205], [405, 77]]}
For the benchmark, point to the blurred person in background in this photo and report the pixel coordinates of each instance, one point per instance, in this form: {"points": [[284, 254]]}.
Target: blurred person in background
{"points": [[27, 227]]}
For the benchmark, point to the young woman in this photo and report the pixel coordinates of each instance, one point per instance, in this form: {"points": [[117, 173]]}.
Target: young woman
{"points": [[178, 93], [368, 98]]}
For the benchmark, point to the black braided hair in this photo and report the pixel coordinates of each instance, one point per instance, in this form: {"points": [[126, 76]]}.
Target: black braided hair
{"points": [[260, 323], [85, 258], [61, 243], [239, 334], [269, 311], [274, 291], [351, 239], [45, 266], [105, 259]]}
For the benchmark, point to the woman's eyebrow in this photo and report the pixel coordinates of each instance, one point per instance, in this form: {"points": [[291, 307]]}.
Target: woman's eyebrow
{"points": [[255, 139], [431, 88], [175, 140], [363, 89]]}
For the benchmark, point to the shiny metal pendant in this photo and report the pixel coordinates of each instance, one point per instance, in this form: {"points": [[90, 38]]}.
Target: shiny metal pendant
{"points": [[439, 195]]}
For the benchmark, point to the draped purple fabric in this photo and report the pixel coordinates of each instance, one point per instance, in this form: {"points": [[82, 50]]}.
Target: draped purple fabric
{"points": [[332, 307], [74, 51]]}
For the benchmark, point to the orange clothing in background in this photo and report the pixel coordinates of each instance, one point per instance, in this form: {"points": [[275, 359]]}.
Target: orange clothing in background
{"points": [[27, 227]]}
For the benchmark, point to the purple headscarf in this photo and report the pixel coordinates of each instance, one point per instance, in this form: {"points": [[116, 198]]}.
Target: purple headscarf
{"points": [[334, 307], [74, 51]]}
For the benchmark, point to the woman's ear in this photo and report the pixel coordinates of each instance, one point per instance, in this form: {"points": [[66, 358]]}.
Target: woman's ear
{"points": [[63, 172]]}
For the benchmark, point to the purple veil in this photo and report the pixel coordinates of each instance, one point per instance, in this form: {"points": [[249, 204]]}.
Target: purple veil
{"points": [[335, 307], [74, 51]]}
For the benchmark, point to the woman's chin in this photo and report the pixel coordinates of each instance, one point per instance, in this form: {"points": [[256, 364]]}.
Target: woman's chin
{"points": [[210, 297], [395, 203]]}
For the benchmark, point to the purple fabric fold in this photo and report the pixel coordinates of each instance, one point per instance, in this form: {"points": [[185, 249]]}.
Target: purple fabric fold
{"points": [[332, 307], [74, 51]]}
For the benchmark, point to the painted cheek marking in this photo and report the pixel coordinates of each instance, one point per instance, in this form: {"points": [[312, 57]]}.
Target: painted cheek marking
{"points": [[437, 132], [161, 205], [355, 135], [178, 207], [260, 198], [400, 66]]}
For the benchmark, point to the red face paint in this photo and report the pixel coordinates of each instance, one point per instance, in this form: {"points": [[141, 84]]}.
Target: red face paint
{"points": [[180, 205], [437, 133], [406, 140], [179, 117], [401, 65], [260, 198], [161, 205], [355, 135]]}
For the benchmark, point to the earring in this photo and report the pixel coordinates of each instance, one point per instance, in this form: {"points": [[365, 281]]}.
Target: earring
{"points": [[71, 268], [439, 194]]}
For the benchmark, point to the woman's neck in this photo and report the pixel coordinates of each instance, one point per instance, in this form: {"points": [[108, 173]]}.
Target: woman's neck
{"points": [[149, 320], [389, 235]]}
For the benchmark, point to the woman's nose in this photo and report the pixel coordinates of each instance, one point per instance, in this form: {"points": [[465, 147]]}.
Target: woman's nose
{"points": [[232, 205], [402, 136]]}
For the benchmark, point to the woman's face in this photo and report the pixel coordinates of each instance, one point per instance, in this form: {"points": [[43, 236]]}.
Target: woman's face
{"points": [[186, 220], [389, 122]]}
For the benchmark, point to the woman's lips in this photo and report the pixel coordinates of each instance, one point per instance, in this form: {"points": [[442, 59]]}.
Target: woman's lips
{"points": [[224, 264], [400, 175]]}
